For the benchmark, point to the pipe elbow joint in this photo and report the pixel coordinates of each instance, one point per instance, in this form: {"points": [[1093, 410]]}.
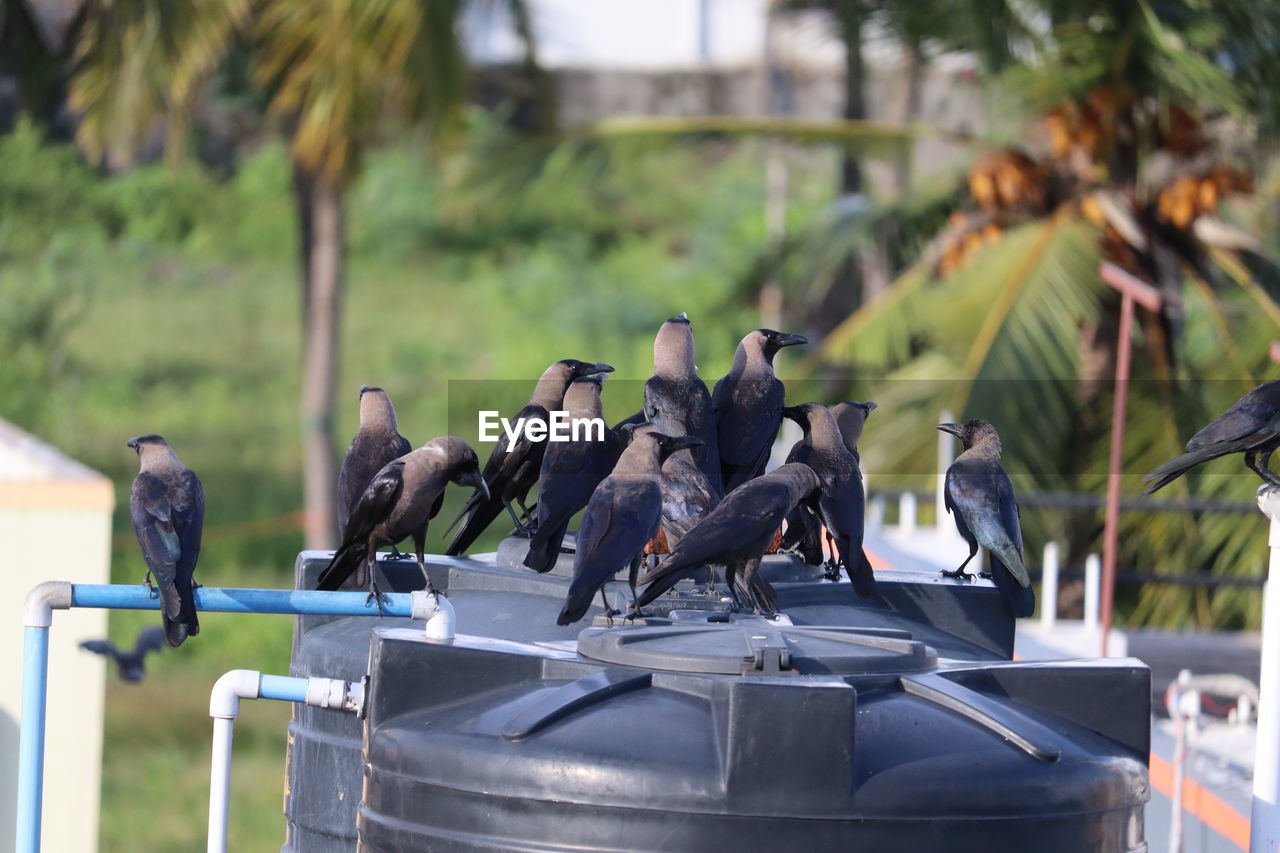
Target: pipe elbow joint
{"points": [[44, 598], [438, 613], [230, 688]]}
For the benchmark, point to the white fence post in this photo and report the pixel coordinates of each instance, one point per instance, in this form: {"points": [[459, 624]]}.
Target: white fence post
{"points": [[1265, 815], [1049, 587], [1092, 590]]}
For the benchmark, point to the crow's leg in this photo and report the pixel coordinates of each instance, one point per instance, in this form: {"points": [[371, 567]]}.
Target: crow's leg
{"points": [[375, 595], [395, 553], [1260, 466], [146, 581], [521, 528], [960, 573], [609, 612], [419, 551], [635, 611], [731, 581], [528, 515]]}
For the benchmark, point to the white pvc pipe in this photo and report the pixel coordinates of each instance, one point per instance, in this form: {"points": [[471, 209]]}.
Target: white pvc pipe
{"points": [[1049, 587], [1092, 590], [438, 613], [220, 784], [1264, 822], [224, 707]]}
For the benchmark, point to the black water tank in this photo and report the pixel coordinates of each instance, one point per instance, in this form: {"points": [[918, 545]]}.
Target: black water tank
{"points": [[695, 735], [965, 624]]}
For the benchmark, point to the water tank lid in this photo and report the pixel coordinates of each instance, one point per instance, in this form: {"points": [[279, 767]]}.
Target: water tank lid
{"points": [[758, 647]]}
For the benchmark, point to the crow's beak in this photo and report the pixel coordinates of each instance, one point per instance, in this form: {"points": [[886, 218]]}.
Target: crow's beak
{"points": [[794, 413], [132, 444], [476, 480], [789, 340], [954, 429], [869, 406], [681, 442], [364, 388], [600, 367]]}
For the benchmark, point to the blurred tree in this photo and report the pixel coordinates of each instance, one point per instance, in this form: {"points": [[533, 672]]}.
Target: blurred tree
{"points": [[337, 73], [1122, 165]]}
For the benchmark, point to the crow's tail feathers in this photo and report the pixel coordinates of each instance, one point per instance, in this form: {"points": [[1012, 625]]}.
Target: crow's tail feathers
{"points": [[346, 560]]}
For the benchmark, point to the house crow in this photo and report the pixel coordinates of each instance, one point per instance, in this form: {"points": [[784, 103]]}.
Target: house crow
{"points": [[510, 475], [1251, 427], [735, 535], [167, 509], [130, 666], [376, 443], [570, 472], [623, 514], [979, 496], [748, 403], [399, 502], [841, 502]]}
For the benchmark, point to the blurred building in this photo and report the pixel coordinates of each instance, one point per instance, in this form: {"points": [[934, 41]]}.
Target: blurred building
{"points": [[725, 57], [55, 523]]}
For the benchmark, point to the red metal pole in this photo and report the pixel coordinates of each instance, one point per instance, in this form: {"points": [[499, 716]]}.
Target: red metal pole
{"points": [[1110, 534]]}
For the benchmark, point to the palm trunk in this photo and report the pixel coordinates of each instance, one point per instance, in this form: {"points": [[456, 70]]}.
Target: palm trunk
{"points": [[322, 240]]}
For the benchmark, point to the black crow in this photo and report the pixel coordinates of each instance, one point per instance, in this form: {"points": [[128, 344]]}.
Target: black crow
{"points": [[400, 502], [167, 509], [841, 503], [570, 472], [748, 403], [130, 666], [736, 534], [376, 443], [979, 496], [1251, 427], [623, 514], [510, 475]]}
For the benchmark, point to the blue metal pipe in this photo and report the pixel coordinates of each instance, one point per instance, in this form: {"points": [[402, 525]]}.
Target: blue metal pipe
{"points": [[35, 663], [282, 687], [35, 673], [229, 600]]}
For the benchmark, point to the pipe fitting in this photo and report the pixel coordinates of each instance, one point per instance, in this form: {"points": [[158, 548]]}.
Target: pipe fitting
{"points": [[438, 613], [335, 693], [1269, 503], [44, 598], [229, 689]]}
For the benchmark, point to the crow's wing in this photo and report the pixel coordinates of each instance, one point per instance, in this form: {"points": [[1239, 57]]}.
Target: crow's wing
{"points": [[149, 640], [375, 505], [1249, 417], [106, 647], [153, 522], [980, 491]]}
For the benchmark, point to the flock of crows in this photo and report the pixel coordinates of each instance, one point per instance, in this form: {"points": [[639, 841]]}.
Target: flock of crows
{"points": [[688, 468]]}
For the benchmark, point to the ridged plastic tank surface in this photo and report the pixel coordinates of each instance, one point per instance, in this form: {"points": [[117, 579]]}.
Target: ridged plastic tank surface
{"points": [[897, 723]]}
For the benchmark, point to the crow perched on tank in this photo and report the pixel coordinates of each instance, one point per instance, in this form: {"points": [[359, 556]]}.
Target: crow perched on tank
{"points": [[735, 535], [166, 506], [851, 417], [841, 502], [748, 404], [1251, 427], [130, 666], [510, 475], [623, 514], [376, 443], [676, 402], [979, 496], [570, 472], [399, 503], [804, 529]]}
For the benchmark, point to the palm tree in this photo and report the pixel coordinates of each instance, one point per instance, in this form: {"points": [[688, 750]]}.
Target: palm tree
{"points": [[1000, 310], [336, 72]]}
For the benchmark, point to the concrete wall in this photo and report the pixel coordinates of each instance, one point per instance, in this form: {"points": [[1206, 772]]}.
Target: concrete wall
{"points": [[55, 524]]}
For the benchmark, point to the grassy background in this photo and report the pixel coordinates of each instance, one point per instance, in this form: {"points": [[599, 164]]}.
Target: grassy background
{"points": [[162, 302]]}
